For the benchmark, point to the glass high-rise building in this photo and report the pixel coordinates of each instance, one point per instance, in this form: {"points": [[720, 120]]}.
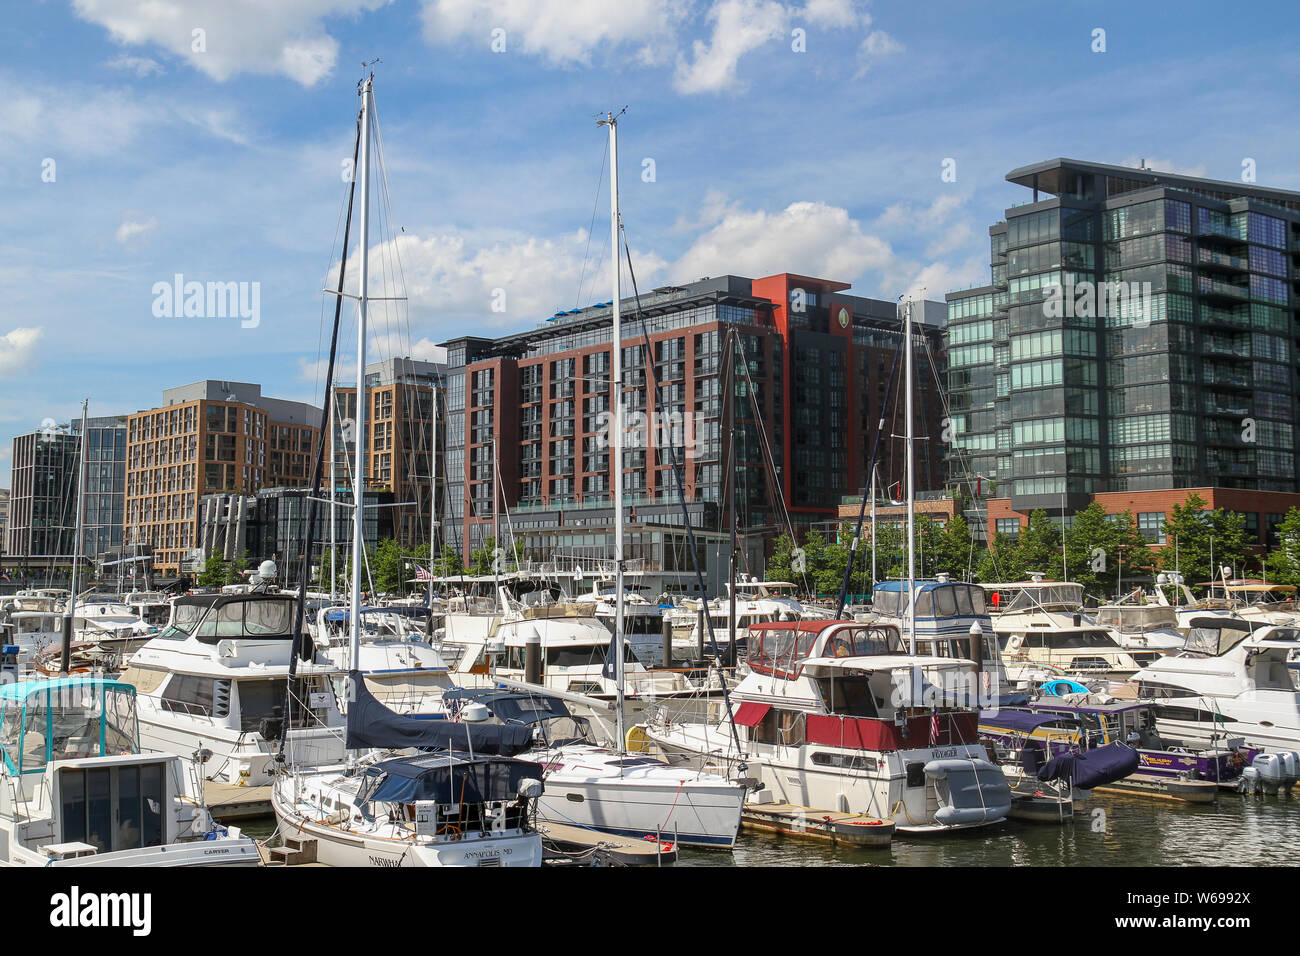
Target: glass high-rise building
{"points": [[1139, 333]]}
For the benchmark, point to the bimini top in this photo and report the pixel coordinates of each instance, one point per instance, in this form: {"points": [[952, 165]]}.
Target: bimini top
{"points": [[1018, 721], [446, 778], [343, 613], [65, 718], [934, 599], [509, 705], [214, 617]]}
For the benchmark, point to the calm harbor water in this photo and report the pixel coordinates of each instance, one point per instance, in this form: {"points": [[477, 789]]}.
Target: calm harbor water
{"points": [[1237, 830]]}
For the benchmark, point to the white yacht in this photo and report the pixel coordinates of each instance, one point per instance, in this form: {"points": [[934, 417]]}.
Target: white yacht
{"points": [[1230, 681], [397, 662], [1141, 626], [598, 788], [1041, 623], [643, 625], [79, 791], [215, 679], [832, 716], [757, 602]]}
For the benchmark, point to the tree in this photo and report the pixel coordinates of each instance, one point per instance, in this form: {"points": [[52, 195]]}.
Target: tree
{"points": [[388, 566], [215, 572], [235, 570], [948, 549], [1193, 533], [1002, 561], [1284, 561]]}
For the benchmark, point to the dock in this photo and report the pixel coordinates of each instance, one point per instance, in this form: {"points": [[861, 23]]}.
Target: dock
{"points": [[226, 801], [576, 845], [849, 829], [1167, 788]]}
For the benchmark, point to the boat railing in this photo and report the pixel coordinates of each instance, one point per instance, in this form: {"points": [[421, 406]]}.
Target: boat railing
{"points": [[188, 708]]}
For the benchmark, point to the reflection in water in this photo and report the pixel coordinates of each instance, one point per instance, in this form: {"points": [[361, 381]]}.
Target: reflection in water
{"points": [[1135, 831]]}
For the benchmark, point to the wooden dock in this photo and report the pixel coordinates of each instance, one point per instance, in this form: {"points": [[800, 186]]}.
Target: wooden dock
{"points": [[226, 801], [563, 843], [849, 829]]}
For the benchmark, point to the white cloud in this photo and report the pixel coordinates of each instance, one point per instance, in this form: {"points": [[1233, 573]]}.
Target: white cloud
{"points": [[237, 36], [18, 348], [132, 229], [809, 238], [739, 27], [836, 13], [559, 31], [876, 44], [141, 66]]}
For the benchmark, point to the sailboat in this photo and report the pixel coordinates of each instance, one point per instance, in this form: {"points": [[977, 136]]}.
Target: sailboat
{"points": [[845, 716], [470, 806]]}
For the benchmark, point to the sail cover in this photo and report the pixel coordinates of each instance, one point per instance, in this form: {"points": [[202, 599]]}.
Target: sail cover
{"points": [[372, 725], [1092, 768]]}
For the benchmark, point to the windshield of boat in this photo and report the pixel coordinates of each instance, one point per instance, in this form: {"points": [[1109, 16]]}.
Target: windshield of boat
{"points": [[559, 731], [1213, 641], [939, 600], [185, 618], [1047, 597], [246, 619]]}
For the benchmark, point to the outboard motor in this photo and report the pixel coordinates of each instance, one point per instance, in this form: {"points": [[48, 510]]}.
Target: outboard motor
{"points": [[1269, 767], [1290, 769], [1249, 781]]}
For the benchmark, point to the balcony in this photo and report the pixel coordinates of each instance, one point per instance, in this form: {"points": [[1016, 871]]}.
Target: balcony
{"points": [[1226, 349], [1210, 259], [1225, 378], [1212, 316], [1215, 288], [1219, 405]]}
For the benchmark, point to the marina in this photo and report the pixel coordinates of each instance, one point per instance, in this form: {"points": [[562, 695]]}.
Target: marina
{"points": [[471, 435]]}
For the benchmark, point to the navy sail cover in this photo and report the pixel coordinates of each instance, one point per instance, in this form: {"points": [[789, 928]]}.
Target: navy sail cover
{"points": [[446, 778], [371, 725], [1092, 768]]}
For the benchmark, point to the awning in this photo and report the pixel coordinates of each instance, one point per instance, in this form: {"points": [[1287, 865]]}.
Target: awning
{"points": [[750, 714]]}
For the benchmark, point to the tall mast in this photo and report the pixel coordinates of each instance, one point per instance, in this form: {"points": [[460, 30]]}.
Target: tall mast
{"points": [[358, 470], [616, 457], [911, 487], [71, 609], [433, 493], [873, 530], [334, 524]]}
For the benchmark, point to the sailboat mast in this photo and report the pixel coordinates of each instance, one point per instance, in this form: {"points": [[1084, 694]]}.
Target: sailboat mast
{"points": [[433, 493], [616, 455], [71, 610], [334, 484], [911, 485], [358, 470]]}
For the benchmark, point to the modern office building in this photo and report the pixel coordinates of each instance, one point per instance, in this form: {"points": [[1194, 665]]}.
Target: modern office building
{"points": [[206, 437], [272, 524], [4, 519], [399, 441], [43, 498], [105, 484], [808, 367], [1138, 334]]}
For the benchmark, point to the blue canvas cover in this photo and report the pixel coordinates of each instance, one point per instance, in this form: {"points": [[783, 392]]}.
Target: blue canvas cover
{"points": [[372, 725], [446, 778], [1020, 721], [1092, 768]]}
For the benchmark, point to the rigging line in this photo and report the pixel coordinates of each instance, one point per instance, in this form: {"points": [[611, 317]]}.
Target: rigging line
{"points": [[397, 252], [678, 474], [775, 494], [317, 469], [862, 511], [595, 203]]}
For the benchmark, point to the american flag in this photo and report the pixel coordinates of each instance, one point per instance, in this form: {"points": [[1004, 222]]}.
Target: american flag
{"points": [[934, 729], [422, 574]]}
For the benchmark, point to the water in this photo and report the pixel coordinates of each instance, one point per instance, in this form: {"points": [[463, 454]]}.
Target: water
{"points": [[1236, 830]]}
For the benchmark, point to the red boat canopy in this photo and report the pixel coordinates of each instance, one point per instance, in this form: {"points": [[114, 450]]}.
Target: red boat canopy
{"points": [[751, 713]]}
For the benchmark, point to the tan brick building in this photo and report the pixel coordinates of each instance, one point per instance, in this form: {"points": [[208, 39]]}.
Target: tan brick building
{"points": [[399, 440], [208, 437]]}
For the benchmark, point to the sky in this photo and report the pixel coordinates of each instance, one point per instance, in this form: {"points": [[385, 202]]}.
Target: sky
{"points": [[855, 141]]}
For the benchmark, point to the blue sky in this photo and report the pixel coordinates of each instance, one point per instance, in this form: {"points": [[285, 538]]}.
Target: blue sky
{"points": [[223, 163]]}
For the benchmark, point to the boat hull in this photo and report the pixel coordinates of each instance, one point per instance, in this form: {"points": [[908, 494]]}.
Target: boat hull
{"points": [[689, 813]]}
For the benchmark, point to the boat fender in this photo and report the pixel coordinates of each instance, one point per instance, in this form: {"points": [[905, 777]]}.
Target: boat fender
{"points": [[530, 788]]}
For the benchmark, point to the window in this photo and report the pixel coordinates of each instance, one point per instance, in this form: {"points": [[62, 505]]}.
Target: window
{"points": [[1151, 526], [1008, 526]]}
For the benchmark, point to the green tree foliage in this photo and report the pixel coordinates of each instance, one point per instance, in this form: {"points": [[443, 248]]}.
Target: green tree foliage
{"points": [[1284, 561], [1192, 531], [215, 572]]}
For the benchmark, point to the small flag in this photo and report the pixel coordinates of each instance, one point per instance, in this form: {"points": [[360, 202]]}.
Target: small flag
{"points": [[934, 729], [422, 574], [609, 670]]}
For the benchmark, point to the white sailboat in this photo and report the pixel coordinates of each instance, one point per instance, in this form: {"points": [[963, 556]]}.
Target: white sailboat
{"points": [[381, 808]]}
